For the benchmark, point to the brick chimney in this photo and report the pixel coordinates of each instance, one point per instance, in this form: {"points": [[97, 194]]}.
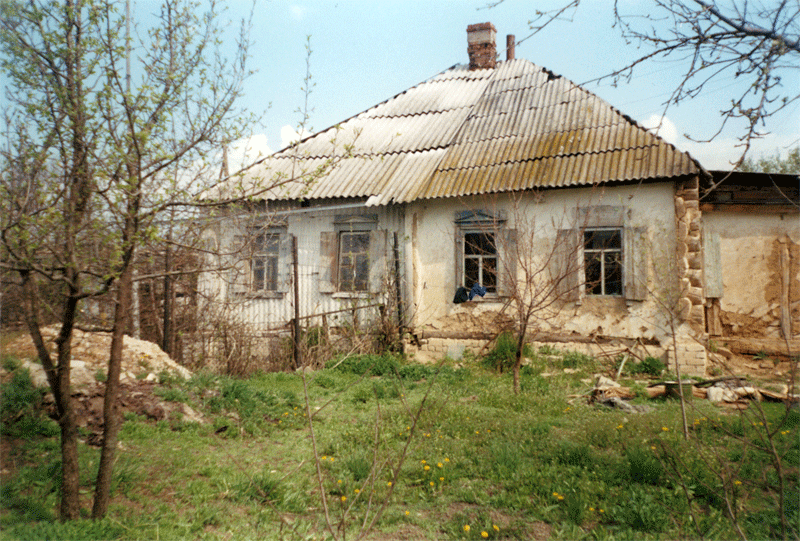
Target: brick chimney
{"points": [[481, 46]]}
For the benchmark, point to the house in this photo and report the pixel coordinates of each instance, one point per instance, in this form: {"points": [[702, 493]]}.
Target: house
{"points": [[496, 173]]}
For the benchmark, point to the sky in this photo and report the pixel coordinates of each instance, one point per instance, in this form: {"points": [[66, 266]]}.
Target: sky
{"points": [[363, 52]]}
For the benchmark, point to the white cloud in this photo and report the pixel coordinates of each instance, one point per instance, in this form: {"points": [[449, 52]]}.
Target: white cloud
{"points": [[298, 12], [663, 127], [289, 135], [247, 150]]}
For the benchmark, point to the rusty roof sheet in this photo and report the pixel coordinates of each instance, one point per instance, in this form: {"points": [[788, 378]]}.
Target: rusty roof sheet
{"points": [[463, 132]]}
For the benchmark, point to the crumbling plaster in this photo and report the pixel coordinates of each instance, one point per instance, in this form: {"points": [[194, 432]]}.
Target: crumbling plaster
{"points": [[750, 261]]}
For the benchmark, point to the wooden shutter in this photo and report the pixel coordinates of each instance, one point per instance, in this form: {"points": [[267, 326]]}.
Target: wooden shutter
{"points": [[566, 266], [459, 259], [507, 260], [634, 256], [712, 267], [239, 273], [285, 263], [328, 248], [377, 261]]}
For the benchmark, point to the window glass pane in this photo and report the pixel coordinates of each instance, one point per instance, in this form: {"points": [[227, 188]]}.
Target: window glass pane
{"points": [[489, 274], [479, 244], [594, 281], [471, 271], [354, 261], [602, 239], [613, 273], [258, 274], [271, 274]]}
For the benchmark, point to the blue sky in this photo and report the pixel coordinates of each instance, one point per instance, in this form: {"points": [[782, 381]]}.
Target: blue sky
{"points": [[366, 51]]}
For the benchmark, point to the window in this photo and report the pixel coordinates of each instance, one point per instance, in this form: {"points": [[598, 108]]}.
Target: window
{"points": [[264, 265], [480, 260], [485, 252], [352, 258], [354, 261], [602, 260]]}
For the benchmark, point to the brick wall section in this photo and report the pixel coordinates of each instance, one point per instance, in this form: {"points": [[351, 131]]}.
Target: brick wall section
{"points": [[481, 46], [688, 225]]}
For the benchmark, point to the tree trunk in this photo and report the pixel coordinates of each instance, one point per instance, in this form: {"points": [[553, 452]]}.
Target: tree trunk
{"points": [[58, 377], [111, 420]]}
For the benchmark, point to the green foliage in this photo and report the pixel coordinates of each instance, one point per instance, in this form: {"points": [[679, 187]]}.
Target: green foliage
{"points": [[21, 415], [373, 365], [651, 366], [504, 354], [644, 466], [493, 458], [775, 164]]}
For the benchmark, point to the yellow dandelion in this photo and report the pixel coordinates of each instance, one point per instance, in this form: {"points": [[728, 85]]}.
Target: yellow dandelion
{"points": [[555, 494], [439, 464], [619, 427], [477, 431], [737, 482], [466, 527], [408, 513], [323, 457], [357, 491], [602, 511], [344, 498], [426, 468], [484, 534], [560, 497], [495, 527], [591, 509], [331, 459], [665, 429], [423, 462], [428, 435], [441, 479], [389, 484], [447, 460], [432, 483]]}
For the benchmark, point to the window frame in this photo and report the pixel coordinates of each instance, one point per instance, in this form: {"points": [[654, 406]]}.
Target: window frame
{"points": [[263, 255], [604, 279], [484, 222], [330, 255], [480, 259]]}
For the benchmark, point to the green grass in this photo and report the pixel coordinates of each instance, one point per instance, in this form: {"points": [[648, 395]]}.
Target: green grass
{"points": [[476, 455]]}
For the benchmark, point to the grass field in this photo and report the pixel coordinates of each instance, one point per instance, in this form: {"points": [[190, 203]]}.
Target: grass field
{"points": [[407, 451]]}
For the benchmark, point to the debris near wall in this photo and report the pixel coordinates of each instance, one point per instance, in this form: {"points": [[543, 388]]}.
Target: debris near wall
{"points": [[141, 360]]}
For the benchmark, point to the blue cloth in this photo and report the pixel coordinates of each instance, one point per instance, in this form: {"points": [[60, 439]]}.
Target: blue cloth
{"points": [[477, 289]]}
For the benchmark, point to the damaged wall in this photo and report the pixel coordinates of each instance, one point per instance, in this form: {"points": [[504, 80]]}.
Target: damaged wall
{"points": [[757, 258]]}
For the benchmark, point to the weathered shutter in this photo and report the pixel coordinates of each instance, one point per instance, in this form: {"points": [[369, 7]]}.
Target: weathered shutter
{"points": [[565, 265], [508, 263], [328, 248], [712, 267], [377, 261], [634, 257], [459, 259], [239, 273], [285, 263]]}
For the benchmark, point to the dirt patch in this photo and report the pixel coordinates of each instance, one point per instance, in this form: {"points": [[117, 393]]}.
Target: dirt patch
{"points": [[142, 365]]}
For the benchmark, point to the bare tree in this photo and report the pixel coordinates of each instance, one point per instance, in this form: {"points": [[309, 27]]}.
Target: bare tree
{"points": [[757, 43], [94, 146]]}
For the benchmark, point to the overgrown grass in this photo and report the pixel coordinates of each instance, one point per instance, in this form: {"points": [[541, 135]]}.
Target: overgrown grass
{"points": [[481, 462]]}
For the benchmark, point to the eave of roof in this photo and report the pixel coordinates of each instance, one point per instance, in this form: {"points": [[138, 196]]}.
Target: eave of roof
{"points": [[515, 127]]}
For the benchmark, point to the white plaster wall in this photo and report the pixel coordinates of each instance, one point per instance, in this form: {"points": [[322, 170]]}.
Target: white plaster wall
{"points": [[430, 231]]}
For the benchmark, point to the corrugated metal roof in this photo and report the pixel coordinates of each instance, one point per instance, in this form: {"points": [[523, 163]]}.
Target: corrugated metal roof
{"points": [[463, 132]]}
